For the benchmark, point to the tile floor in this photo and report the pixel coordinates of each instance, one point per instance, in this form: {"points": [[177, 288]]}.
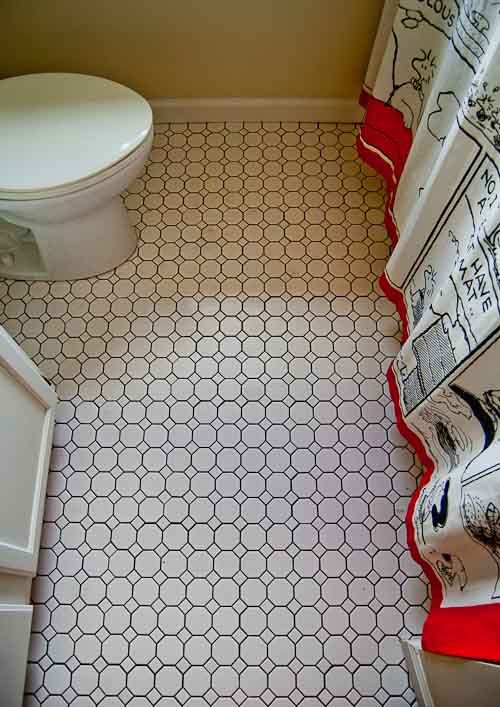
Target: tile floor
{"points": [[224, 514]]}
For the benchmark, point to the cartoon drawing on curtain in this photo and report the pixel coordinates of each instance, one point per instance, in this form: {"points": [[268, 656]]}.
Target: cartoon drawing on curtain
{"points": [[408, 96], [481, 514]]}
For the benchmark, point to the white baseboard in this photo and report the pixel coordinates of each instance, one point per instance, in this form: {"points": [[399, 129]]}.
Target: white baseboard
{"points": [[227, 110]]}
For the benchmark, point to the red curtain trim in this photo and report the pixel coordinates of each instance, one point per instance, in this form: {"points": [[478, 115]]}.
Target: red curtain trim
{"points": [[468, 632]]}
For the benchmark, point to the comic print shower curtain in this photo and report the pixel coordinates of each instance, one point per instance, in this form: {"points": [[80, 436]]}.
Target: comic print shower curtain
{"points": [[432, 129]]}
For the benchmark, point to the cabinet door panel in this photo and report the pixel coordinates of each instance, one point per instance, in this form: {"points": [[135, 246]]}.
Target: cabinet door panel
{"points": [[27, 405]]}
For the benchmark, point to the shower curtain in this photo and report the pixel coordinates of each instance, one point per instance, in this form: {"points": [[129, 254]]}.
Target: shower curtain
{"points": [[432, 129]]}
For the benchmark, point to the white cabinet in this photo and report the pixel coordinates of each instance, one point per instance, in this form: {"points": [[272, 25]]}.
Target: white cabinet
{"points": [[27, 407]]}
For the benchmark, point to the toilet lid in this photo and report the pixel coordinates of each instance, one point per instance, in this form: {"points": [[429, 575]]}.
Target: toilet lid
{"points": [[56, 129]]}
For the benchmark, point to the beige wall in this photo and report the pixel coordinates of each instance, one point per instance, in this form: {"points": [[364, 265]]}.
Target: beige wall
{"points": [[190, 48]]}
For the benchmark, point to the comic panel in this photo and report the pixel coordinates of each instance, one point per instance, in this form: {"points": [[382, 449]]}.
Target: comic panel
{"points": [[453, 296], [479, 387], [466, 27], [462, 429]]}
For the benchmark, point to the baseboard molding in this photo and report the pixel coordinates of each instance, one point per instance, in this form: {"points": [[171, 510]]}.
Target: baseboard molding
{"points": [[228, 110]]}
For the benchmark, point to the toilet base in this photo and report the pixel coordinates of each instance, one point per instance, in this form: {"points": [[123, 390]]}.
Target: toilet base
{"points": [[89, 245]]}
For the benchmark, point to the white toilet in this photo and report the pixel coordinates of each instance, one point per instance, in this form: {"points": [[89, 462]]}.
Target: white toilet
{"points": [[69, 144]]}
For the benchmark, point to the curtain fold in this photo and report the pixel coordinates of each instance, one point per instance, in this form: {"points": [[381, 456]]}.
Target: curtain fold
{"points": [[432, 129]]}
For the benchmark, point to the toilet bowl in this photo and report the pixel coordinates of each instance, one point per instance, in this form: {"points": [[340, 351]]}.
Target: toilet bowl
{"points": [[69, 145]]}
